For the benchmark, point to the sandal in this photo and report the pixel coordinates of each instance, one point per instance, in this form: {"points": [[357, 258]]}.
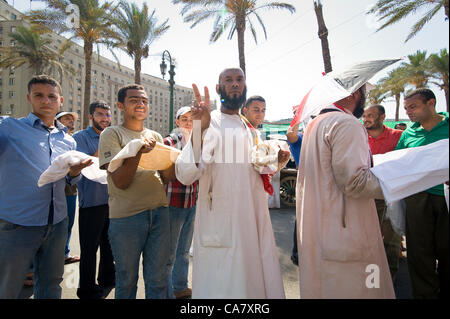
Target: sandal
{"points": [[71, 259]]}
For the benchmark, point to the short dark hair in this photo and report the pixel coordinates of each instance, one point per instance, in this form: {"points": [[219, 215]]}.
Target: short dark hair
{"points": [[254, 98], [98, 104], [44, 79], [425, 93], [123, 91], [379, 107]]}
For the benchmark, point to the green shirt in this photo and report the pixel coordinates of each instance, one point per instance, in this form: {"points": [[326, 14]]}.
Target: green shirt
{"points": [[416, 135]]}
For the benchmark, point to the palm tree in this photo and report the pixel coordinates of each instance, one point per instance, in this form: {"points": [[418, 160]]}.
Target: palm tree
{"points": [[138, 30], [394, 85], [33, 50], [376, 95], [416, 70], [95, 28], [396, 10], [439, 68], [233, 14], [323, 35]]}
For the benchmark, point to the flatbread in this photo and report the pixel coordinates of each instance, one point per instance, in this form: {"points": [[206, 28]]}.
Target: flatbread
{"points": [[160, 158]]}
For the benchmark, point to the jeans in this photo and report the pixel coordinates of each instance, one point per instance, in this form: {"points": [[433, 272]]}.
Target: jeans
{"points": [[146, 233], [181, 230], [71, 207], [42, 246]]}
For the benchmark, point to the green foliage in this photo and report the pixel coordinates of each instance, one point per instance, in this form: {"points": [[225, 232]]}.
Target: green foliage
{"points": [[33, 49], [393, 11]]}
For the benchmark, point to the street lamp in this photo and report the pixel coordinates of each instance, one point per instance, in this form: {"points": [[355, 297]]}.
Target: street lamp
{"points": [[163, 67]]}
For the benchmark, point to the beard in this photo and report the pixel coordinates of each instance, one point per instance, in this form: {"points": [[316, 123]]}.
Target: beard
{"points": [[232, 103], [359, 110], [97, 125]]}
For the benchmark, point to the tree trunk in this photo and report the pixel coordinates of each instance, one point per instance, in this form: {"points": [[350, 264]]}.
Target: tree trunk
{"points": [[446, 98], [446, 7], [240, 27], [323, 35], [137, 69], [397, 106], [88, 48]]}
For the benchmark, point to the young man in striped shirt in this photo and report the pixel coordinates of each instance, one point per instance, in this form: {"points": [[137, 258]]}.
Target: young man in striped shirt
{"points": [[182, 203]]}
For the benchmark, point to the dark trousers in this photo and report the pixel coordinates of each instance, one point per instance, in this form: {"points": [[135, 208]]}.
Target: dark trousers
{"points": [[392, 241], [93, 225], [427, 243]]}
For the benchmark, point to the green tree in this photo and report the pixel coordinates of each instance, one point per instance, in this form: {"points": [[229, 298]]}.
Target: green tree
{"points": [[394, 85], [393, 11], [416, 70], [376, 95], [33, 50], [439, 68], [233, 14], [95, 27], [138, 30]]}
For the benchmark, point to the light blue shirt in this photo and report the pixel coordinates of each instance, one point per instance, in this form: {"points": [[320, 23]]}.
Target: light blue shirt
{"points": [[90, 193], [27, 149]]}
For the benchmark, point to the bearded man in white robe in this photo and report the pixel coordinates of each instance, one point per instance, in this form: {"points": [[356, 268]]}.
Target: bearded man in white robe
{"points": [[341, 253], [235, 255]]}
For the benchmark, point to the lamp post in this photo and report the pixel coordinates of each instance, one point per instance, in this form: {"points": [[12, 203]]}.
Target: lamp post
{"points": [[163, 67]]}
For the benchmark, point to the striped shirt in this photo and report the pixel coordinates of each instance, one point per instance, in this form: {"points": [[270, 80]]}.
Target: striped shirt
{"points": [[179, 195]]}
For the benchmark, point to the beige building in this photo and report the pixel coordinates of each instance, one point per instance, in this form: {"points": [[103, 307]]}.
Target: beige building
{"points": [[107, 78]]}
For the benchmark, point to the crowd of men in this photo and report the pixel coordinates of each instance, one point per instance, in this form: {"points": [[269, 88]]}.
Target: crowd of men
{"points": [[341, 224]]}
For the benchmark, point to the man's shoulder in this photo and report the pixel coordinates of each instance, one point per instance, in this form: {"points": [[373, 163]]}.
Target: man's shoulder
{"points": [[115, 129], [80, 134], [392, 131], [340, 119]]}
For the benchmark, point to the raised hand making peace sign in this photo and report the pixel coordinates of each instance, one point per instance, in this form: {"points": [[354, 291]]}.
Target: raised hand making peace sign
{"points": [[201, 110]]}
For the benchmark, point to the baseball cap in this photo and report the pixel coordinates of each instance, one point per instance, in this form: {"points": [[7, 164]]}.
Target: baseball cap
{"points": [[60, 114], [183, 110]]}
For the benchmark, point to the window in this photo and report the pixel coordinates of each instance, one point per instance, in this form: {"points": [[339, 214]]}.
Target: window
{"points": [[13, 29], [13, 16], [11, 94], [11, 81], [12, 43]]}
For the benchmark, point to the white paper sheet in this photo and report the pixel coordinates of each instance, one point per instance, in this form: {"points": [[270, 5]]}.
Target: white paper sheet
{"points": [[409, 171], [61, 165]]}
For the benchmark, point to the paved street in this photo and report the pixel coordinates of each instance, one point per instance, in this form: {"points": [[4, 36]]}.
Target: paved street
{"points": [[283, 226]]}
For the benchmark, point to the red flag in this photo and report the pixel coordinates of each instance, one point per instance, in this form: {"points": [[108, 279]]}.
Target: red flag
{"points": [[299, 109]]}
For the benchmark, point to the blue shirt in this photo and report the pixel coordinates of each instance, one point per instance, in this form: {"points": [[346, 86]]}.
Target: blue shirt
{"points": [[90, 193], [27, 148], [296, 148]]}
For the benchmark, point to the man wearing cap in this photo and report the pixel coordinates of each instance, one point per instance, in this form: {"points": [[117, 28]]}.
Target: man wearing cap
{"points": [[33, 220], [68, 119], [93, 217], [182, 203], [340, 249]]}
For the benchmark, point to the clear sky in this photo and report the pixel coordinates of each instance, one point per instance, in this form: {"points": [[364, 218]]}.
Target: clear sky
{"points": [[283, 67]]}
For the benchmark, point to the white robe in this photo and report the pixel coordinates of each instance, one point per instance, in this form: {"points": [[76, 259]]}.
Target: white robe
{"points": [[235, 255]]}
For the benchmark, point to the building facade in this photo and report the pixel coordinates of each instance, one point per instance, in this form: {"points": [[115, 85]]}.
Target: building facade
{"points": [[107, 78]]}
